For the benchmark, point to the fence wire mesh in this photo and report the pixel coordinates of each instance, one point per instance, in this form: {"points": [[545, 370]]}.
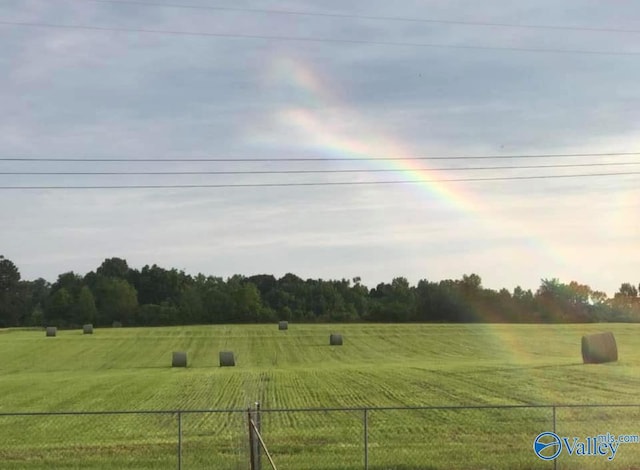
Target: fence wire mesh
{"points": [[599, 421], [214, 440], [314, 439], [455, 438], [92, 441]]}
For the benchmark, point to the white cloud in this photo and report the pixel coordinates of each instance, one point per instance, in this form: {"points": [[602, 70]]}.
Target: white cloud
{"points": [[81, 93]]}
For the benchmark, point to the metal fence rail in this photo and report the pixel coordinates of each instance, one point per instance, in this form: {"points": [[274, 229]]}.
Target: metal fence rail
{"points": [[369, 438]]}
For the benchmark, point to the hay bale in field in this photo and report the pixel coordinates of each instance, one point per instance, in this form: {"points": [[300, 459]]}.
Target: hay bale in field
{"points": [[51, 331], [116, 324], [87, 329], [283, 325], [227, 359], [179, 359], [335, 339], [599, 348]]}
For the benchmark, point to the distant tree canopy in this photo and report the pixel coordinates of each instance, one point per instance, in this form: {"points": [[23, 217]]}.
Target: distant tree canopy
{"points": [[114, 292]]}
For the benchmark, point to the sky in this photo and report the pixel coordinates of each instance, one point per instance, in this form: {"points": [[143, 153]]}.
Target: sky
{"points": [[353, 80]]}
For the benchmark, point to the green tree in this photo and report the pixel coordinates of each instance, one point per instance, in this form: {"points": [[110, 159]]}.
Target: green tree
{"points": [[293, 292], [59, 308], [626, 303], [158, 315], [37, 317], [246, 300], [264, 282], [116, 300], [561, 302], [156, 285], [191, 306], [39, 291], [9, 282], [471, 284], [441, 301], [9, 275], [395, 302], [627, 290], [71, 281], [86, 311], [215, 299], [21, 301], [598, 297], [114, 267]]}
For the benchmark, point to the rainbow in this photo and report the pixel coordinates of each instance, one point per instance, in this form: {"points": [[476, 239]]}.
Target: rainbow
{"points": [[318, 119], [325, 135], [321, 121]]}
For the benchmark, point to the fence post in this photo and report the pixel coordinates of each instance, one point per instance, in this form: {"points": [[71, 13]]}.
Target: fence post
{"points": [[259, 428], [555, 461], [179, 440], [365, 422], [252, 454]]}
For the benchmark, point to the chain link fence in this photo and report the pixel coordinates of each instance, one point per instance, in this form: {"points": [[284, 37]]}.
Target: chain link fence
{"points": [[418, 438]]}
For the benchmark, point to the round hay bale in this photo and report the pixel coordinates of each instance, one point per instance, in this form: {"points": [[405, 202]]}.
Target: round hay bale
{"points": [[335, 339], [116, 324], [52, 331], [87, 329], [599, 348], [283, 325], [227, 359], [179, 359]]}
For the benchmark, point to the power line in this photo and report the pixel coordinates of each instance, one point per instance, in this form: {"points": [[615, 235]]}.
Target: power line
{"points": [[312, 39], [310, 159], [288, 172], [368, 17], [325, 183]]}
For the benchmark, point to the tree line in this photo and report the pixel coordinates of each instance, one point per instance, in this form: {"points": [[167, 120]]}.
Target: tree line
{"points": [[154, 296]]}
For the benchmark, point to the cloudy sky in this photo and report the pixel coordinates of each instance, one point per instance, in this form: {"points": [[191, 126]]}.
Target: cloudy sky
{"points": [[347, 84]]}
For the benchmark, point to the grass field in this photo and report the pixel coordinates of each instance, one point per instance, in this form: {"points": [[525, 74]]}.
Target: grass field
{"points": [[378, 366]]}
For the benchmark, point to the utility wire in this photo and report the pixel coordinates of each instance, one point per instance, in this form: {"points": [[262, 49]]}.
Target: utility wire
{"points": [[288, 172], [311, 159], [366, 17], [313, 39], [325, 183]]}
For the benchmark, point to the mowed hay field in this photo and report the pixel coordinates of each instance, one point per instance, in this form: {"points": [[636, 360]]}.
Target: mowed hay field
{"points": [[377, 366]]}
